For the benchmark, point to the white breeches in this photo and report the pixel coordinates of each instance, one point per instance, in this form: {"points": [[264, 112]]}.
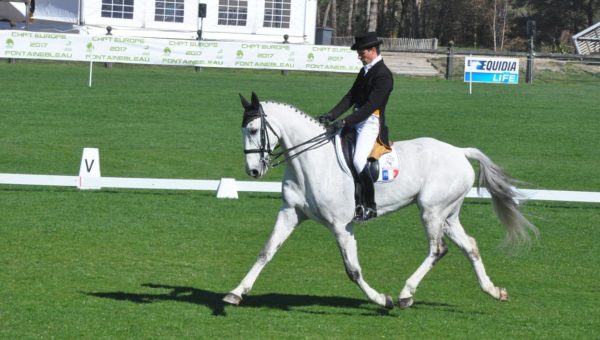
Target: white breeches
{"points": [[366, 135]]}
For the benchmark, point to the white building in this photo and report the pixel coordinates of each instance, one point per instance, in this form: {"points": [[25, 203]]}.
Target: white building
{"points": [[240, 20]]}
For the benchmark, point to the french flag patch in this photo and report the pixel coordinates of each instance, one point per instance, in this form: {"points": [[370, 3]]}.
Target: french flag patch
{"points": [[385, 175]]}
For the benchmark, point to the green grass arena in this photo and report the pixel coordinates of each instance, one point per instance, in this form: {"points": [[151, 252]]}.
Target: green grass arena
{"points": [[155, 264]]}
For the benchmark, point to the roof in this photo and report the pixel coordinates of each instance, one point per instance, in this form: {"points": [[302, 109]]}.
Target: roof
{"points": [[588, 40], [13, 11]]}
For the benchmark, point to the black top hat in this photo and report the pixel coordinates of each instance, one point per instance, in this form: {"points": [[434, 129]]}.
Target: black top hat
{"points": [[365, 40]]}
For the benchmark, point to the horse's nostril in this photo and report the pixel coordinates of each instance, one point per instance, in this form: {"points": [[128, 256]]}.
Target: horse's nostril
{"points": [[254, 173]]}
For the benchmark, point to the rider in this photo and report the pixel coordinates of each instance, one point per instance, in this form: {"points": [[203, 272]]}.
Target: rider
{"points": [[369, 95]]}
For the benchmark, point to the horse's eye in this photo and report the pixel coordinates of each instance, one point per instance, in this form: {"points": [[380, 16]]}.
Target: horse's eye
{"points": [[252, 131]]}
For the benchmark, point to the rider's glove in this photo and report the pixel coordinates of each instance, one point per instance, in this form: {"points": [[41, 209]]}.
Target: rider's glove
{"points": [[335, 126], [325, 119]]}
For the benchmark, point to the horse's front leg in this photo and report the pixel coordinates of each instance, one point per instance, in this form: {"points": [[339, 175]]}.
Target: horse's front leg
{"points": [[344, 236], [287, 219]]}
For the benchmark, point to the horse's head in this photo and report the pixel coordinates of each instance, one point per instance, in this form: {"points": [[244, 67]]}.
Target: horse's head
{"points": [[259, 137]]}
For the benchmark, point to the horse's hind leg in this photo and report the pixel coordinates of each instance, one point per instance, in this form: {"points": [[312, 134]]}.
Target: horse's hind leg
{"points": [[287, 220], [347, 244], [455, 231], [437, 249]]}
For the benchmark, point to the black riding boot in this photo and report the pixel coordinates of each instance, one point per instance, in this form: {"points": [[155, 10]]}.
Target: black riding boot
{"points": [[367, 209]]}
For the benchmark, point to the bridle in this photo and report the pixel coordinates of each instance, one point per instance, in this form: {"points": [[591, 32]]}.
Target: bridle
{"points": [[264, 149], [267, 155]]}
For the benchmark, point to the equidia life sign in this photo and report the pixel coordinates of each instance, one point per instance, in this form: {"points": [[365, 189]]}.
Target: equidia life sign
{"points": [[491, 70]]}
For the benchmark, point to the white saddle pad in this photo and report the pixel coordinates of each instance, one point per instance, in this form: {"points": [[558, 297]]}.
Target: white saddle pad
{"points": [[388, 163]]}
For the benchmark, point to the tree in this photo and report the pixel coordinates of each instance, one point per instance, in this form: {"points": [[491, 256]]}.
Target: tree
{"points": [[372, 15], [496, 24], [350, 17], [334, 15], [326, 15], [592, 9]]}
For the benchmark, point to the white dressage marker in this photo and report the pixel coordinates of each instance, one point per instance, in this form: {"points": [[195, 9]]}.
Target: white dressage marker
{"points": [[89, 169]]}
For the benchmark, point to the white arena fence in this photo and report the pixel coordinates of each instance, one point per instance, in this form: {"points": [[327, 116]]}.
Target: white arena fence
{"points": [[90, 178], [151, 51], [229, 187]]}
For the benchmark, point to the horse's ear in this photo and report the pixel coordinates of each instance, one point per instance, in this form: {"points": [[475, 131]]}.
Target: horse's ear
{"points": [[255, 102], [245, 102]]}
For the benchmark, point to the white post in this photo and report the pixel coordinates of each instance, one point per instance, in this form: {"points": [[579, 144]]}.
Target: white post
{"points": [[90, 83], [470, 76]]}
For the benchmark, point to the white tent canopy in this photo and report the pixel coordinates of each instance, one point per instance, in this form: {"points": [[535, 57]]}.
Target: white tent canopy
{"points": [[66, 11], [57, 10], [13, 11]]}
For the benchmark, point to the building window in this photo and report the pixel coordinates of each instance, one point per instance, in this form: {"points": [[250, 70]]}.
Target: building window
{"points": [[277, 13], [233, 12], [120, 9], [168, 10]]}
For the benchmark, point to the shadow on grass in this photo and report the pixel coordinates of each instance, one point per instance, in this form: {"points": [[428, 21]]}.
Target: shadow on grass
{"points": [[213, 300]]}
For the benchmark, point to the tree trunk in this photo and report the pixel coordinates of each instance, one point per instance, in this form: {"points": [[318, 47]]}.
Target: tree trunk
{"points": [[326, 15], [416, 19], [401, 23], [382, 24], [350, 17], [504, 18], [334, 16], [589, 11], [494, 34], [368, 11], [373, 13]]}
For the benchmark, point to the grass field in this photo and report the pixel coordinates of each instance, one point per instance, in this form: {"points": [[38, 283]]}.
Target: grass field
{"points": [[154, 264]]}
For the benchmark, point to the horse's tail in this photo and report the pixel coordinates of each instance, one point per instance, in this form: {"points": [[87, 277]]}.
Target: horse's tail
{"points": [[504, 198]]}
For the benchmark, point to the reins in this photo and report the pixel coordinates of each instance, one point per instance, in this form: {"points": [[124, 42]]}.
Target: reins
{"points": [[313, 143], [265, 145]]}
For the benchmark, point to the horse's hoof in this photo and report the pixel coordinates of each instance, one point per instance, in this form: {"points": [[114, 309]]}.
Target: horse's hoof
{"points": [[232, 299], [503, 294], [389, 302], [405, 302]]}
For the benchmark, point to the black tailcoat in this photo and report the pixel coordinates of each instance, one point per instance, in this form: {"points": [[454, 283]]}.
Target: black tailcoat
{"points": [[369, 92]]}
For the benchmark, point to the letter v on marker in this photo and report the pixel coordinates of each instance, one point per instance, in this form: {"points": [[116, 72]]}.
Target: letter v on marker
{"points": [[89, 166]]}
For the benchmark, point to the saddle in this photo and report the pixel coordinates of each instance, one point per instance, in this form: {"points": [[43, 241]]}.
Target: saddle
{"points": [[364, 190], [378, 173]]}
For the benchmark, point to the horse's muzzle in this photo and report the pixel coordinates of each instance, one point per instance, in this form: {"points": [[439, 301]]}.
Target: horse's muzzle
{"points": [[253, 173]]}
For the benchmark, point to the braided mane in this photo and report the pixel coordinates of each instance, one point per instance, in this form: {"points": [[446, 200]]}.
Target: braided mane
{"points": [[295, 109]]}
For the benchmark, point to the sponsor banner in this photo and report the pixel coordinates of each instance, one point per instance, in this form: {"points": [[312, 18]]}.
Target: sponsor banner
{"points": [[330, 59], [265, 55], [40, 45], [491, 70], [113, 49]]}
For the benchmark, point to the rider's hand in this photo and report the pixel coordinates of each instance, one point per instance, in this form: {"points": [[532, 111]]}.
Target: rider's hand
{"points": [[325, 119], [335, 126]]}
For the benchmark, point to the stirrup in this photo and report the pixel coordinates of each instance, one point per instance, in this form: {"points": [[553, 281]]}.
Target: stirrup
{"points": [[363, 214], [358, 213], [369, 213]]}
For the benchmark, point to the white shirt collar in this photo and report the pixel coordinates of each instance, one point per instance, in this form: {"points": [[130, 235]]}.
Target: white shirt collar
{"points": [[372, 63]]}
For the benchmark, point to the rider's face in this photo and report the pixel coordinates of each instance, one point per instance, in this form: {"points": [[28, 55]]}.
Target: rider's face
{"points": [[367, 55]]}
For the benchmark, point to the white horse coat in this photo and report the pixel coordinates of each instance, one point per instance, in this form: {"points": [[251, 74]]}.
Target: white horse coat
{"points": [[434, 175]]}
